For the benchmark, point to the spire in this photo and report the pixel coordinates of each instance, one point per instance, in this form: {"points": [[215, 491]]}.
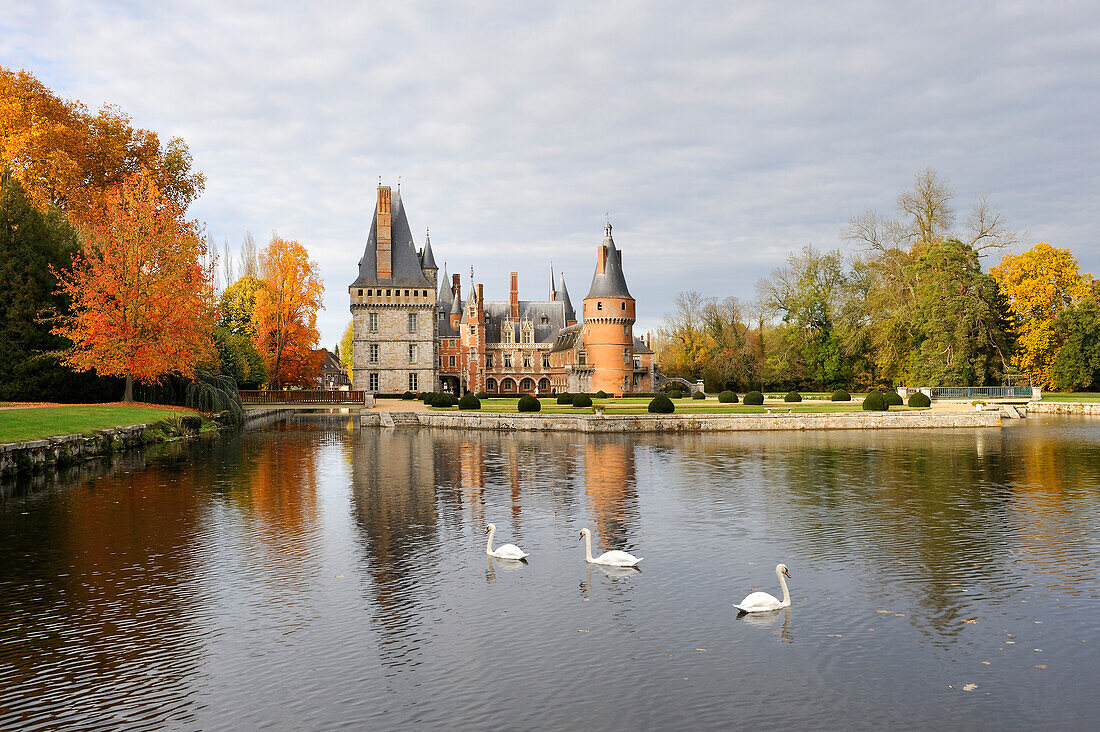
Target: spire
{"points": [[551, 280], [562, 295], [445, 295], [608, 280], [427, 259]]}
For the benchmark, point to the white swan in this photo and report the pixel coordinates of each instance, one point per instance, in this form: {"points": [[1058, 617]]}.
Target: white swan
{"points": [[760, 602], [508, 551], [613, 558]]}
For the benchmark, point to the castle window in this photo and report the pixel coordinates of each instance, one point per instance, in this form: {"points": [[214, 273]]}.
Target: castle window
{"points": [[637, 362], [412, 353], [372, 381], [626, 355], [360, 293], [507, 331], [546, 360], [599, 306], [528, 336], [623, 306], [414, 322], [451, 360], [372, 356], [414, 382], [527, 360], [544, 320], [582, 359], [387, 293], [372, 322], [507, 360], [490, 384], [406, 293], [473, 330], [508, 385], [488, 360], [626, 330]]}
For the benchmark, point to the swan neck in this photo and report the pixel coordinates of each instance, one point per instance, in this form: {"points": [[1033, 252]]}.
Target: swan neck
{"points": [[588, 547], [489, 544], [783, 584]]}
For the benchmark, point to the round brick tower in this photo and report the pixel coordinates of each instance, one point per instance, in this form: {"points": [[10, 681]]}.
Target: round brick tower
{"points": [[608, 336]]}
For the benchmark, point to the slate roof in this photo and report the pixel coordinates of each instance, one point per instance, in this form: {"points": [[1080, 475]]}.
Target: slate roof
{"points": [[406, 264], [562, 295], [445, 329], [640, 347], [445, 295], [496, 311], [611, 283], [567, 338], [427, 259]]}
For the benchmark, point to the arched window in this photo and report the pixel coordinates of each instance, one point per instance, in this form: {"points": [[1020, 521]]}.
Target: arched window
{"points": [[490, 385], [527, 385], [544, 385], [507, 385]]}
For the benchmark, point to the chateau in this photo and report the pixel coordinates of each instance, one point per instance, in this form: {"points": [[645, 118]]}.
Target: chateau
{"points": [[413, 331]]}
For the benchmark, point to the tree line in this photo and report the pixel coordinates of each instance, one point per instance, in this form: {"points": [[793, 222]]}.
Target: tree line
{"points": [[106, 280], [910, 305]]}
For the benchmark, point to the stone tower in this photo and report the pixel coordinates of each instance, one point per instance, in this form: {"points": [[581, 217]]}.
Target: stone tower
{"points": [[394, 333], [608, 311]]}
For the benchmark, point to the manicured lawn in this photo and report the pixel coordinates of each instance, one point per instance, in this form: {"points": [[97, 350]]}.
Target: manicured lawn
{"points": [[632, 405], [19, 425], [1053, 396]]}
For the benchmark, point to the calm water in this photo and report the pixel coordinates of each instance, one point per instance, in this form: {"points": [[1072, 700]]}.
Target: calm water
{"points": [[313, 575]]}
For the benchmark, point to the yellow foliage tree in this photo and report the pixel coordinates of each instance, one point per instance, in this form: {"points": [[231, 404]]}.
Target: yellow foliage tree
{"points": [[1040, 284]]}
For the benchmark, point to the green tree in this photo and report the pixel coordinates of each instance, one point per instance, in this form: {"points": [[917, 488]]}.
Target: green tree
{"points": [[964, 322], [1077, 365], [344, 350], [31, 242], [237, 304]]}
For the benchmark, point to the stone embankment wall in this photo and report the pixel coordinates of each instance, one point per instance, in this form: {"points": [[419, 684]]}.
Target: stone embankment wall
{"points": [[1092, 408], [33, 455], [695, 422]]}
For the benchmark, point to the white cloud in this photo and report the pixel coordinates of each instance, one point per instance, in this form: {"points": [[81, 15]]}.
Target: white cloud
{"points": [[720, 138]]}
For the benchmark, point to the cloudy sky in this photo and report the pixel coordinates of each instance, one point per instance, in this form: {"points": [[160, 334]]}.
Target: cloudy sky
{"points": [[720, 136]]}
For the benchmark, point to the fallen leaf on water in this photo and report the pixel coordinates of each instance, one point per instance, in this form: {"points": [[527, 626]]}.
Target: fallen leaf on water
{"points": [[1037, 650], [1041, 665], [885, 612], [582, 631], [970, 621], [970, 687], [700, 649], [834, 635], [985, 663]]}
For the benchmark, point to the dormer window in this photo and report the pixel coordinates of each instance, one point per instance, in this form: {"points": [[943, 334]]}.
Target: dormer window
{"points": [[544, 320]]}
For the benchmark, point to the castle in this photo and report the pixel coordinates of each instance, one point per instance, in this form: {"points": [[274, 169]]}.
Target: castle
{"points": [[413, 331]]}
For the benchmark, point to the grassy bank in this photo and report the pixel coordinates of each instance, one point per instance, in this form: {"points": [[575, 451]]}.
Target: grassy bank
{"points": [[1054, 396], [20, 425], [683, 406]]}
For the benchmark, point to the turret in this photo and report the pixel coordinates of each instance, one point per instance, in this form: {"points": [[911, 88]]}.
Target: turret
{"points": [[609, 313]]}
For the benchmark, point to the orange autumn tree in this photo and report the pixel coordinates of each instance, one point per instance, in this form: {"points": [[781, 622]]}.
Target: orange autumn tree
{"points": [[66, 157], [142, 300], [285, 314]]}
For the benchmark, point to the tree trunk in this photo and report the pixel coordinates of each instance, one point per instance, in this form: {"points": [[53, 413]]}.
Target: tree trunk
{"points": [[129, 395]]}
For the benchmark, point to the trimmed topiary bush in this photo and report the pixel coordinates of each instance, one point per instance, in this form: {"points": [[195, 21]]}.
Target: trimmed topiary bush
{"points": [[565, 398], [469, 401], [427, 397], [875, 402], [482, 395], [443, 400], [661, 404], [408, 395], [528, 403], [892, 398], [754, 398], [674, 394], [582, 400], [698, 395], [841, 396], [601, 394], [792, 396], [728, 397], [919, 399]]}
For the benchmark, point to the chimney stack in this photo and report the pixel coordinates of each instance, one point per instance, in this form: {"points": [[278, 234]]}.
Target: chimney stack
{"points": [[383, 237], [513, 297]]}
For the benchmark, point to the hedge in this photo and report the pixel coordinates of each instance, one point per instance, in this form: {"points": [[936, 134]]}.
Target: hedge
{"points": [[528, 403], [841, 396], [582, 400], [754, 398], [727, 397], [792, 396], [875, 402], [919, 399], [469, 401], [661, 404]]}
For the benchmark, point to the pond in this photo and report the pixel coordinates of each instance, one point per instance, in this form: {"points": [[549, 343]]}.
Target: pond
{"points": [[313, 575]]}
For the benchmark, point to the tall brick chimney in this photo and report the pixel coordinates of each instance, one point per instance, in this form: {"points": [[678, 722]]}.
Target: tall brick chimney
{"points": [[384, 256], [513, 296], [601, 258]]}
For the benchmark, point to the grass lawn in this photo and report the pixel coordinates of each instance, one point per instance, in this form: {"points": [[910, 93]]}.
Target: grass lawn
{"points": [[640, 405], [19, 425], [1054, 396]]}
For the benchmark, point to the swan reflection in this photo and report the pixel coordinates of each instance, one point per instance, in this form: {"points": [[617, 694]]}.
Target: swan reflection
{"points": [[766, 620]]}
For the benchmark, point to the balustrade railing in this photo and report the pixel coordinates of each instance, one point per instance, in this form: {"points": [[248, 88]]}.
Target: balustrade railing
{"points": [[980, 392], [302, 396]]}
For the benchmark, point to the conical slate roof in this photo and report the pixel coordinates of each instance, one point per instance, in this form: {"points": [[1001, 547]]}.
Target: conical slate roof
{"points": [[562, 295], [406, 264], [610, 283], [445, 294], [427, 259]]}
